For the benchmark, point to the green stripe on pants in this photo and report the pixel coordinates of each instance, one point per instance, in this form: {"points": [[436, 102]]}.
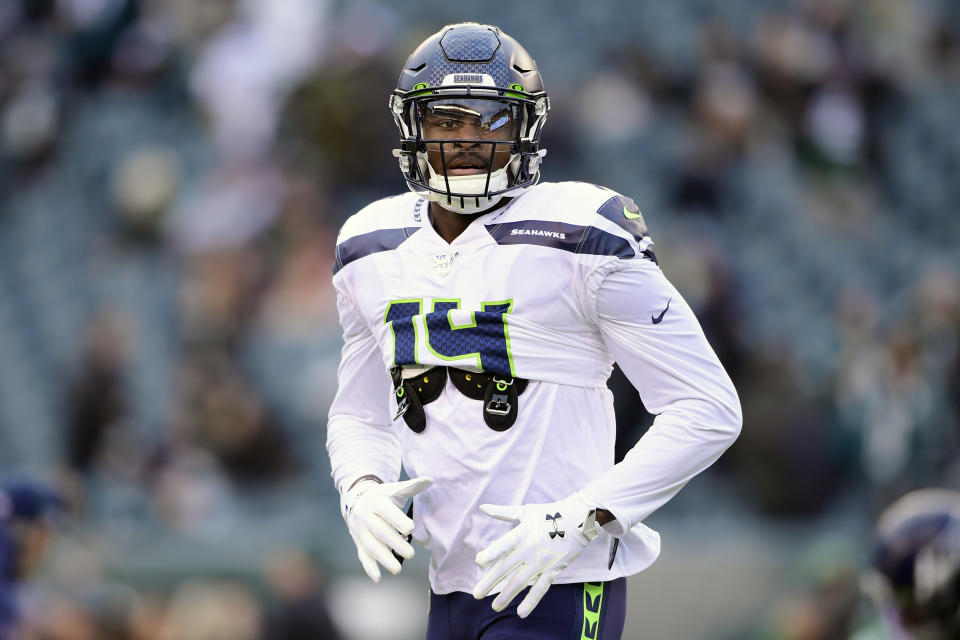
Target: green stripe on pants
{"points": [[592, 601]]}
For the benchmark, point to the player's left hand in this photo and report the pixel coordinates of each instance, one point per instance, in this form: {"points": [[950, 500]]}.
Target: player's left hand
{"points": [[547, 538]]}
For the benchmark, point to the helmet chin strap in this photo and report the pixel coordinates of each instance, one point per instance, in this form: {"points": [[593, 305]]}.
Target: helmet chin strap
{"points": [[463, 186]]}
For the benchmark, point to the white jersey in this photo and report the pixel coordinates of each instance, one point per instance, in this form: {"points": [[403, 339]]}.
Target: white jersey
{"points": [[553, 287]]}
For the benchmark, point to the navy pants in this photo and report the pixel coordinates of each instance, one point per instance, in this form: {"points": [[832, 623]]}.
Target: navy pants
{"points": [[594, 610]]}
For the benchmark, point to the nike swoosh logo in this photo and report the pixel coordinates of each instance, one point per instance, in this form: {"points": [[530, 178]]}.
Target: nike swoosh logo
{"points": [[631, 216], [657, 319]]}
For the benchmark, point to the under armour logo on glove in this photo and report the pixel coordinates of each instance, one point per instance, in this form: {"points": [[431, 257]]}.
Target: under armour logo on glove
{"points": [[556, 531], [524, 556]]}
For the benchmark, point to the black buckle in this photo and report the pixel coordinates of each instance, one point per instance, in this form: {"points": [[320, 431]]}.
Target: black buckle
{"points": [[499, 406], [403, 399], [413, 393], [500, 403], [498, 393]]}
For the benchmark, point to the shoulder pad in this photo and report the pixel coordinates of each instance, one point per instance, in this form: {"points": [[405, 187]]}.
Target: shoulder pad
{"points": [[620, 214], [380, 226], [624, 212], [405, 210], [579, 217]]}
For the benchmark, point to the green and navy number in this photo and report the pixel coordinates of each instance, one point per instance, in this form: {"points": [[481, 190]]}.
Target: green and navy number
{"points": [[485, 339]]}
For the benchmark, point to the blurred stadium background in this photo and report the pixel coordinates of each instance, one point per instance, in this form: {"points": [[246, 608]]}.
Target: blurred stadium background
{"points": [[172, 176]]}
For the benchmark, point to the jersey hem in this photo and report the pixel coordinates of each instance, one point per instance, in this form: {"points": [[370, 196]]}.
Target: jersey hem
{"points": [[584, 576]]}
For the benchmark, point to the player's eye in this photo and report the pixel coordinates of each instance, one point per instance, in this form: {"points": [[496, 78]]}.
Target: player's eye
{"points": [[442, 123]]}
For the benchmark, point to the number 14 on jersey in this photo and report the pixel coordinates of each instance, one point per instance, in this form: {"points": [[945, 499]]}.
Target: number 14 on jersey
{"points": [[482, 336]]}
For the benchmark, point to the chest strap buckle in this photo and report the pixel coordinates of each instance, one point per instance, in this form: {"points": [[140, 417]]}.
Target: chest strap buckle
{"points": [[412, 393], [500, 403], [498, 393]]}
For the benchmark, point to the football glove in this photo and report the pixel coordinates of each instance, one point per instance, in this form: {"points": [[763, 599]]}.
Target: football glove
{"points": [[377, 524], [547, 538]]}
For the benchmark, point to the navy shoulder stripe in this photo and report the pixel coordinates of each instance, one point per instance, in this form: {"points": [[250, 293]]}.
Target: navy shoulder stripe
{"points": [[598, 242], [625, 213], [367, 243], [563, 236]]}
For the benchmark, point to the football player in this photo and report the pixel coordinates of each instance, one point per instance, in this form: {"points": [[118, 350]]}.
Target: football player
{"points": [[482, 313], [914, 579], [25, 507]]}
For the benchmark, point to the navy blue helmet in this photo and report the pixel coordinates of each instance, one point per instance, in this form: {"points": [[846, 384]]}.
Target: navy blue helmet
{"points": [[917, 560], [481, 86], [29, 500]]}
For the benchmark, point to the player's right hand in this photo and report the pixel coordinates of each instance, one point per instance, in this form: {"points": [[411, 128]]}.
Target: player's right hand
{"points": [[377, 524]]}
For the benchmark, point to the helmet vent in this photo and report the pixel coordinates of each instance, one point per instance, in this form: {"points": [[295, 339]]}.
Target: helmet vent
{"points": [[521, 69], [417, 68]]}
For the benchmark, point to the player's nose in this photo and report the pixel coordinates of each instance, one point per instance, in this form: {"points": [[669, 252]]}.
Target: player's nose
{"points": [[469, 141], [470, 133]]}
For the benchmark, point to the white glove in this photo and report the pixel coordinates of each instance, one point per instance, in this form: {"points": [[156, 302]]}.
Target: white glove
{"points": [[378, 526], [547, 538]]}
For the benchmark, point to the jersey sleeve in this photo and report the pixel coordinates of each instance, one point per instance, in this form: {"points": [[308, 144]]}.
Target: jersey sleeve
{"points": [[361, 438], [658, 343]]}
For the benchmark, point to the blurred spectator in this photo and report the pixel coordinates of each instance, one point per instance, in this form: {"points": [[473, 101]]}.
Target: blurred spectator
{"points": [[824, 611], [194, 22], [218, 295], [614, 109], [29, 124], [892, 387], [330, 121], [792, 58], [63, 619], [230, 207], [299, 302], [148, 617], [301, 611], [226, 416], [834, 125], [191, 495], [97, 400], [144, 185], [95, 28], [791, 463], [244, 72], [211, 610]]}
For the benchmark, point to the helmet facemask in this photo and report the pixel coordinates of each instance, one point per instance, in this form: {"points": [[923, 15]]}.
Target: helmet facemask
{"points": [[467, 147]]}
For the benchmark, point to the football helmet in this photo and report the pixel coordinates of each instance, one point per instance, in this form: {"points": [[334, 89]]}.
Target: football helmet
{"points": [[470, 107], [915, 576]]}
